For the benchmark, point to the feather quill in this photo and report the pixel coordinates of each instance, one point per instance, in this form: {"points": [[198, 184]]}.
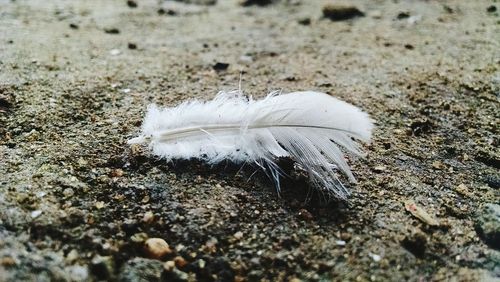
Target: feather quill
{"points": [[312, 128]]}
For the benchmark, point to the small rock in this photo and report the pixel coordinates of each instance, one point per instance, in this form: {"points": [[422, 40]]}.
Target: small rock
{"points": [[488, 225], [132, 46], [409, 46], [462, 189], [246, 3], [345, 236], [99, 205], [156, 248], [199, 2], [117, 172], [341, 12], [379, 168], [340, 242], [169, 12], [115, 52], [139, 237], [68, 192], [375, 257], [492, 181], [78, 273], [238, 235], [141, 269], [491, 9], [148, 217], [132, 4], [403, 15], [36, 213], [72, 256], [438, 165], [169, 265], [180, 261], [220, 66], [305, 21], [305, 215], [7, 261], [102, 267], [112, 30], [174, 275], [73, 26]]}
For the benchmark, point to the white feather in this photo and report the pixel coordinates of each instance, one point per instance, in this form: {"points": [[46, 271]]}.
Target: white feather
{"points": [[308, 127]]}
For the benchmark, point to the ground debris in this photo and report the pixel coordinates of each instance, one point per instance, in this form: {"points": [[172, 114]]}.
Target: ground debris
{"points": [[420, 213], [341, 12]]}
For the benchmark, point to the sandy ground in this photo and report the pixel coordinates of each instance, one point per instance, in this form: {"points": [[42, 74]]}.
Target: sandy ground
{"points": [[77, 203]]}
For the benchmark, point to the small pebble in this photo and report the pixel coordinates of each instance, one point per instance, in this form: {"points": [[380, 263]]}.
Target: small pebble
{"points": [[341, 12], [375, 257], [139, 237], [99, 205], [7, 261], [115, 52], [220, 66], [488, 224], [156, 248], [180, 261], [36, 213], [340, 242], [491, 9], [68, 192], [148, 217], [238, 235], [112, 30], [403, 15], [132, 4], [305, 215], [305, 21], [118, 172]]}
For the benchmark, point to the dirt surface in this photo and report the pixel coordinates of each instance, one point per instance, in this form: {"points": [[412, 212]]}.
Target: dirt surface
{"points": [[77, 203]]}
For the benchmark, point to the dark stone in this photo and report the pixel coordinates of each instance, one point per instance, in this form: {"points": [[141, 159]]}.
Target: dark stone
{"points": [[246, 3], [491, 9], [341, 13], [102, 267], [73, 26], [132, 4], [492, 181], [488, 225], [169, 12], [112, 30], [403, 15], [305, 21], [409, 46], [220, 66], [132, 46]]}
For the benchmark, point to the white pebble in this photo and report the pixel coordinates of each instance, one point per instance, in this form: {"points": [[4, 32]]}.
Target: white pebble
{"points": [[375, 257], [115, 52], [35, 214]]}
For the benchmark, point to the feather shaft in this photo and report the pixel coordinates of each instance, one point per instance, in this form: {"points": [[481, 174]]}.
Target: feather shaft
{"points": [[196, 130]]}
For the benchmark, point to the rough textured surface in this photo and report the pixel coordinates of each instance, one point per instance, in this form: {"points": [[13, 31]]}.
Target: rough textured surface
{"points": [[488, 224], [77, 203]]}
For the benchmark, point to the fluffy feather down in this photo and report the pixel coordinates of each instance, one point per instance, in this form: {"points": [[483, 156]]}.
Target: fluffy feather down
{"points": [[309, 127]]}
